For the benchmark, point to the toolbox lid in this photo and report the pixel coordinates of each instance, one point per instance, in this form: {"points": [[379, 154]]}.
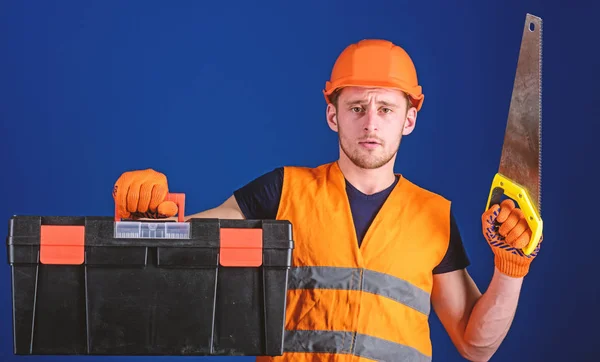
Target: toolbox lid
{"points": [[77, 240]]}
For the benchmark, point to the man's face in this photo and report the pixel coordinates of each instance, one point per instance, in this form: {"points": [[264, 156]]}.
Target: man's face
{"points": [[370, 123]]}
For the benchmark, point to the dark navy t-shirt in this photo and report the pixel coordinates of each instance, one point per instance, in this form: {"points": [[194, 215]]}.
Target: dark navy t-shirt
{"points": [[259, 199]]}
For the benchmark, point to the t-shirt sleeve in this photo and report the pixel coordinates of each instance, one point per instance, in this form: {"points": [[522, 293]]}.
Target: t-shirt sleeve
{"points": [[456, 256], [259, 199]]}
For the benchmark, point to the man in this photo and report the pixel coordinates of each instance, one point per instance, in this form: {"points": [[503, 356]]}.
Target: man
{"points": [[373, 251]]}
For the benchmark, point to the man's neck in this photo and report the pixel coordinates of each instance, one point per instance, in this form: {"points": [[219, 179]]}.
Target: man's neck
{"points": [[368, 181]]}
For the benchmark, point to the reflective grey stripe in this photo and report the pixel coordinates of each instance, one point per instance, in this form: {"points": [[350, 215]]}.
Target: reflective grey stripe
{"points": [[374, 348], [397, 289], [361, 279]]}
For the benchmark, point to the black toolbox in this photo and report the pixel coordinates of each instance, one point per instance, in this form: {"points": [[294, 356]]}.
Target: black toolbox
{"points": [[80, 286]]}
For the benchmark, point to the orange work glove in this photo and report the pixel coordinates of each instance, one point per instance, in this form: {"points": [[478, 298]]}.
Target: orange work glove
{"points": [[506, 231], [141, 194]]}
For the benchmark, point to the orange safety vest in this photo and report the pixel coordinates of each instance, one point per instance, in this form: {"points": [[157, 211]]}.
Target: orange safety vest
{"points": [[347, 303]]}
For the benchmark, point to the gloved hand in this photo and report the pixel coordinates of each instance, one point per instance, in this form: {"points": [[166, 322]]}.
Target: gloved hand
{"points": [[506, 231], [141, 194]]}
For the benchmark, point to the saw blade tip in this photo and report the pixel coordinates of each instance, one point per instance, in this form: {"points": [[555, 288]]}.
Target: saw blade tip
{"points": [[533, 22]]}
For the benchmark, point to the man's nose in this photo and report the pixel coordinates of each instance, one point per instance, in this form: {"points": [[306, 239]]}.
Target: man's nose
{"points": [[371, 119]]}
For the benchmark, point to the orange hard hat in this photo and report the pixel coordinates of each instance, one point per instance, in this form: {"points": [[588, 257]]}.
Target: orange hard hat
{"points": [[375, 63]]}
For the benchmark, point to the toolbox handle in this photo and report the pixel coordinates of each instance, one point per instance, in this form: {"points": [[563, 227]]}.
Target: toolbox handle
{"points": [[177, 198]]}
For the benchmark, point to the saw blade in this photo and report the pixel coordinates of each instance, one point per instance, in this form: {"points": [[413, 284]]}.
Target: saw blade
{"points": [[521, 159]]}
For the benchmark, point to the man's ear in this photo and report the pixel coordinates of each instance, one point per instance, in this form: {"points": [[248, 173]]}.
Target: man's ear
{"points": [[410, 122], [332, 117]]}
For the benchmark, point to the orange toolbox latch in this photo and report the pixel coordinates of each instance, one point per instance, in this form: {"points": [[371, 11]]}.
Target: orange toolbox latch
{"points": [[241, 247], [62, 244]]}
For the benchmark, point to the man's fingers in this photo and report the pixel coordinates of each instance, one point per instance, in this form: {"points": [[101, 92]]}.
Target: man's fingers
{"points": [[133, 195], [523, 239], [516, 232], [510, 222], [140, 191], [120, 192], [145, 196], [167, 209], [159, 193], [506, 207]]}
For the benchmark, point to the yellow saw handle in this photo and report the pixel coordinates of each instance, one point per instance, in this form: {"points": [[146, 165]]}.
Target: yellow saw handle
{"points": [[502, 185]]}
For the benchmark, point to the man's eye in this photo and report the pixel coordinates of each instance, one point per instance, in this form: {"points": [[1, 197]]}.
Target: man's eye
{"points": [[386, 110], [356, 109]]}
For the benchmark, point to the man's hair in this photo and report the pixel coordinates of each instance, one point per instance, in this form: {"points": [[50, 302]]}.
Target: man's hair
{"points": [[334, 97]]}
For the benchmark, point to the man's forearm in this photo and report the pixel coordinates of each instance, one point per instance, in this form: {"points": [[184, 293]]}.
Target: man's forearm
{"points": [[491, 317]]}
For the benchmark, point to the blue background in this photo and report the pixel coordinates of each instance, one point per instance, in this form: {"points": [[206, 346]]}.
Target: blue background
{"points": [[215, 95]]}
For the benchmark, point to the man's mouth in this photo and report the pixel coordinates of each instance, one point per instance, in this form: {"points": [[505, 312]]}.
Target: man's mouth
{"points": [[369, 143], [370, 140]]}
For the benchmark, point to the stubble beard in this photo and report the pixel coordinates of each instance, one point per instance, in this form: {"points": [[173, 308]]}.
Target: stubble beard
{"points": [[365, 159]]}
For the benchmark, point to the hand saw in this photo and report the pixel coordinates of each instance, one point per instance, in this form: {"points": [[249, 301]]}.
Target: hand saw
{"points": [[519, 174]]}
